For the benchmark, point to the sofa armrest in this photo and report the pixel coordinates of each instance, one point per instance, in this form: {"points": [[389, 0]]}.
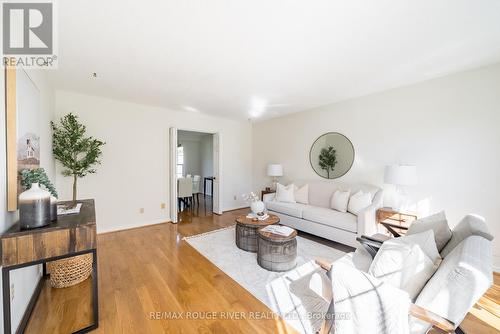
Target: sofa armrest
{"points": [[443, 325], [325, 264], [367, 218], [268, 197]]}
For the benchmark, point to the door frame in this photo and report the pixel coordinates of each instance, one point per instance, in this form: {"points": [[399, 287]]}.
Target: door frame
{"points": [[172, 189]]}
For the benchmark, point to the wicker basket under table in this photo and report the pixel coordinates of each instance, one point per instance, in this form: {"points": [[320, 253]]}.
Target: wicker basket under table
{"points": [[70, 271], [276, 252], [246, 231]]}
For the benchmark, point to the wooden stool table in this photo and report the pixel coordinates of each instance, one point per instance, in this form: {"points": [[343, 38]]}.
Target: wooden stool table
{"points": [[246, 231], [277, 252]]}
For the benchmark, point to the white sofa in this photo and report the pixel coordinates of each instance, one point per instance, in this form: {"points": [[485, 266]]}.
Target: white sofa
{"points": [[319, 219], [462, 277]]}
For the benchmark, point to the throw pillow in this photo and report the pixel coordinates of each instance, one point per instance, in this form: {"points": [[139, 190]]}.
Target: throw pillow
{"points": [[302, 194], [285, 193], [339, 200], [407, 262], [469, 225], [438, 224], [358, 202]]}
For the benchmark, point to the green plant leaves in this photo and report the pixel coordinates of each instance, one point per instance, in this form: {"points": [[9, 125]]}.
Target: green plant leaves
{"points": [[76, 152]]}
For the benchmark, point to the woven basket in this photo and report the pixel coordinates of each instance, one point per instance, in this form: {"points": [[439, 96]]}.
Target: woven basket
{"points": [[68, 272]]}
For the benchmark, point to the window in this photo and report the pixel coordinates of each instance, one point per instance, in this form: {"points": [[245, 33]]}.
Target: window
{"points": [[180, 161]]}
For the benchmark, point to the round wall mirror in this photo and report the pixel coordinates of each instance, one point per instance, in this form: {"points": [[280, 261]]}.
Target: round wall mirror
{"points": [[331, 155]]}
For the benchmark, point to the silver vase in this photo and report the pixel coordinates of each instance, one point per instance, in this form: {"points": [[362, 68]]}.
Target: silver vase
{"points": [[34, 207], [53, 209]]}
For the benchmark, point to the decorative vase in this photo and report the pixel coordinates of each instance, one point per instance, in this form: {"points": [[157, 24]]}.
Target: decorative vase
{"points": [[53, 209], [257, 207], [34, 207]]}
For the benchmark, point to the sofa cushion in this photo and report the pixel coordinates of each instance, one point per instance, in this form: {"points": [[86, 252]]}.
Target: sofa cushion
{"points": [[407, 262], [345, 221], [340, 199], [320, 192], [468, 226], [438, 224], [358, 202], [461, 279], [359, 259], [285, 193], [291, 209], [302, 194]]}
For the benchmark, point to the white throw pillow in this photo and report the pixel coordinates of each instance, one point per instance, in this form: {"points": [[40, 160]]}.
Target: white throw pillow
{"points": [[358, 202], [339, 200], [407, 262], [302, 194], [438, 224], [469, 225], [285, 193]]}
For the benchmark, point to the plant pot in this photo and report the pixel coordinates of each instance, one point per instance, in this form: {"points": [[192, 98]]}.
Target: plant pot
{"points": [[34, 207]]}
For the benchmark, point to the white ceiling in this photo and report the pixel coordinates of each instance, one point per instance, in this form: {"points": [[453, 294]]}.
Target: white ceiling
{"points": [[264, 58]]}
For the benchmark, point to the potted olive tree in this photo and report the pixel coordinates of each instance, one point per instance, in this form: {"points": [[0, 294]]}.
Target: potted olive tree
{"points": [[74, 150]]}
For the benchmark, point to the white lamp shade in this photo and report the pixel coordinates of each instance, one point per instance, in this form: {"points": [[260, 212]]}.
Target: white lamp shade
{"points": [[274, 170], [401, 175]]}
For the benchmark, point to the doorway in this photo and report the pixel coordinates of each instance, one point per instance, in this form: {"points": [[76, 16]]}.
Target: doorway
{"points": [[194, 174]]}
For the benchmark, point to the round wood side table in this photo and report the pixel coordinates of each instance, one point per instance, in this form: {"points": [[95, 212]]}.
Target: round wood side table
{"points": [[276, 252], [246, 231]]}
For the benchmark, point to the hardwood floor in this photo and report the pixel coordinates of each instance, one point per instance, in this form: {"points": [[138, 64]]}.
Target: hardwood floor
{"points": [[151, 269]]}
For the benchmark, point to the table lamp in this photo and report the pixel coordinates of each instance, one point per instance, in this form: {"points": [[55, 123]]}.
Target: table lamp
{"points": [[401, 176], [274, 170]]}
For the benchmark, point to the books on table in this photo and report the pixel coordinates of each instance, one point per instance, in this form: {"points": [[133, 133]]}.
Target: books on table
{"points": [[253, 215], [284, 231], [64, 210]]}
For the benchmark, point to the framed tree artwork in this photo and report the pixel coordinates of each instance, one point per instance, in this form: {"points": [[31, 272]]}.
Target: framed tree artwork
{"points": [[22, 100], [331, 155]]}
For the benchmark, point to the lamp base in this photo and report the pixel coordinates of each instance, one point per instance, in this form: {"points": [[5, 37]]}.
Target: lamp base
{"points": [[274, 184]]}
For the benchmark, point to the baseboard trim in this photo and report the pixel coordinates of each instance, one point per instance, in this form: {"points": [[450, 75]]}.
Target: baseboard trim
{"points": [[134, 227], [30, 307], [236, 208]]}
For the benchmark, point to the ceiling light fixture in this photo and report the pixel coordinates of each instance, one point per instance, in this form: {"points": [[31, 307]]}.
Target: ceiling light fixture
{"points": [[258, 107], [191, 109], [93, 75]]}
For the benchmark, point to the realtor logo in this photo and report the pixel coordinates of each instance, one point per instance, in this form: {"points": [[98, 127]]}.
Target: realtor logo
{"points": [[28, 29]]}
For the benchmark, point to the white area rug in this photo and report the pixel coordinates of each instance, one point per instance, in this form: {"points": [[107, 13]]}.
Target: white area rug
{"points": [[290, 294]]}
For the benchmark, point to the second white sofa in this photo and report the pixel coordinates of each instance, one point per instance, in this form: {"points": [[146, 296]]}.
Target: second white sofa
{"points": [[319, 219]]}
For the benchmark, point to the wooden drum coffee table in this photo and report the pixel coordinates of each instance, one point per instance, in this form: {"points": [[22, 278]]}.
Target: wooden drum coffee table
{"points": [[246, 231], [277, 252]]}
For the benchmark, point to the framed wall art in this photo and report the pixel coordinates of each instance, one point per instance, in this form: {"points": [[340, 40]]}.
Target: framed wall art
{"points": [[22, 100]]}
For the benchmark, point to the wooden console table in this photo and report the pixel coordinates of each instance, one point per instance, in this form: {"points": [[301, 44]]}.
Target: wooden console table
{"points": [[69, 236], [264, 192]]}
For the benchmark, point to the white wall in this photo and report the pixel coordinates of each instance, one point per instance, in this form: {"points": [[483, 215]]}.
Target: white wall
{"points": [[448, 127], [192, 155], [134, 170], [207, 160], [25, 279]]}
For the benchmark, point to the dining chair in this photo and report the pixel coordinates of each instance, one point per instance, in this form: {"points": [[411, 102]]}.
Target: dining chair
{"points": [[196, 187], [184, 191]]}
